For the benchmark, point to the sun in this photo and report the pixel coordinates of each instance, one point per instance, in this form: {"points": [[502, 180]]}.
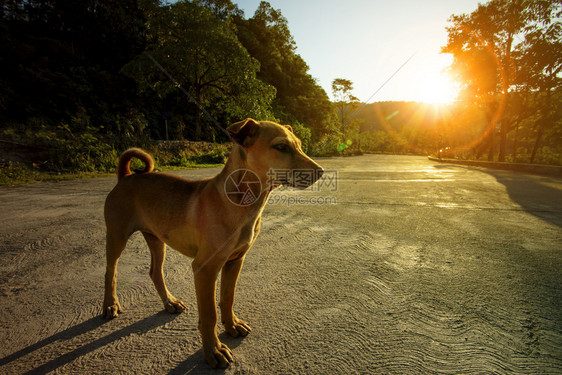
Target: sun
{"points": [[436, 88]]}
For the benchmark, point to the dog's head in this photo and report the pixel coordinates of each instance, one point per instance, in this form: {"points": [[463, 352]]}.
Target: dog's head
{"points": [[274, 153]]}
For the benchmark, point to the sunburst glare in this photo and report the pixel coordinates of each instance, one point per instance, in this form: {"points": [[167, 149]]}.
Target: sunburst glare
{"points": [[437, 89]]}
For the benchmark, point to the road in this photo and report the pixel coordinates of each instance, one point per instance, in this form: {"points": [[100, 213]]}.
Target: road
{"points": [[392, 265]]}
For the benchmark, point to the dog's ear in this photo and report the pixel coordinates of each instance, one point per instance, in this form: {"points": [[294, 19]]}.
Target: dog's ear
{"points": [[244, 132], [289, 128]]}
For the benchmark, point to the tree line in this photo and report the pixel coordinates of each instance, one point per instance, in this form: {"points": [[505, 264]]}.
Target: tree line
{"points": [[90, 78], [96, 76]]}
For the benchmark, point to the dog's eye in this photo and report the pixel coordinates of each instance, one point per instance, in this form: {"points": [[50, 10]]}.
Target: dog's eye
{"points": [[281, 147]]}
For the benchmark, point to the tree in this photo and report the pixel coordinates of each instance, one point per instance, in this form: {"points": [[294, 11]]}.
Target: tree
{"points": [[60, 57], [482, 47], [540, 57], [223, 9], [299, 98], [489, 60], [346, 104], [203, 54]]}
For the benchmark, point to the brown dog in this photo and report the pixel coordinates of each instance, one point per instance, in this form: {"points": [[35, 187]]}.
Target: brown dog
{"points": [[215, 221]]}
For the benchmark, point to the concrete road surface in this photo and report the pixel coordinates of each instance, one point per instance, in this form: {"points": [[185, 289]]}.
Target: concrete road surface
{"points": [[390, 265]]}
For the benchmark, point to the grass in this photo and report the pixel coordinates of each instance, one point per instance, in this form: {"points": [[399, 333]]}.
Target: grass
{"points": [[13, 173]]}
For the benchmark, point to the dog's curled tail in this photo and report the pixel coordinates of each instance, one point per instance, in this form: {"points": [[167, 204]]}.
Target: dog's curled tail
{"points": [[125, 161]]}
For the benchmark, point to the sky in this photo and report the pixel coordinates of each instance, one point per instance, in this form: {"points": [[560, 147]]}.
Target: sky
{"points": [[369, 41]]}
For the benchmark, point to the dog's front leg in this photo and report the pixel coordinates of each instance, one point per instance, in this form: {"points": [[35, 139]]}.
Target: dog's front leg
{"points": [[232, 325], [216, 353]]}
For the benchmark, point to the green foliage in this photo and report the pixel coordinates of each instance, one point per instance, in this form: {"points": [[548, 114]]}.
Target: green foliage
{"points": [[79, 87], [59, 56], [80, 153], [377, 141], [216, 156], [204, 56], [328, 145], [188, 154], [77, 78], [63, 151], [303, 133], [345, 102], [299, 98], [16, 172]]}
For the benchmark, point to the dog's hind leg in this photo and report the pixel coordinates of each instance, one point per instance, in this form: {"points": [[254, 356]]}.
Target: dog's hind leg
{"points": [[114, 247], [158, 254]]}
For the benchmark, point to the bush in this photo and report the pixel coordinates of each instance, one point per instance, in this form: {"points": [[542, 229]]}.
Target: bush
{"points": [[548, 155], [45, 153], [86, 152], [189, 154], [217, 156], [15, 172]]}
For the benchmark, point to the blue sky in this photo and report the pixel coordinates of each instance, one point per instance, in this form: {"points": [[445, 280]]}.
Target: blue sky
{"points": [[367, 41]]}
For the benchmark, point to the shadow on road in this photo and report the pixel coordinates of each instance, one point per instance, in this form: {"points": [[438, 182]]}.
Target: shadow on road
{"points": [[535, 194], [92, 324]]}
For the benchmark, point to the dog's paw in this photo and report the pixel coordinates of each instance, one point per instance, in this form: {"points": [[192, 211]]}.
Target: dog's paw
{"points": [[174, 306], [237, 328], [218, 356], [113, 311]]}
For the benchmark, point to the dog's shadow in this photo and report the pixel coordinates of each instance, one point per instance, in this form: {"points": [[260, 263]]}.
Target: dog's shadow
{"points": [[194, 364], [140, 327]]}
